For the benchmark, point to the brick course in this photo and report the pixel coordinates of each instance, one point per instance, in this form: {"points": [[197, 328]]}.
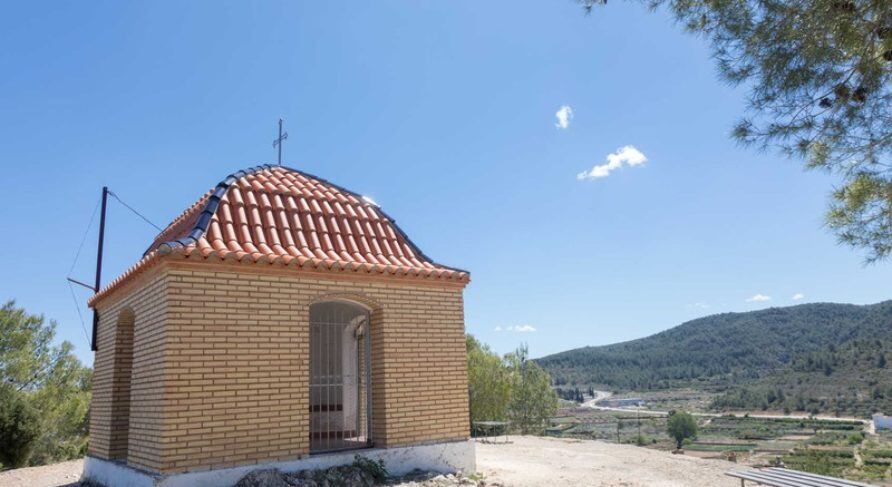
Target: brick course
{"points": [[221, 364], [130, 336]]}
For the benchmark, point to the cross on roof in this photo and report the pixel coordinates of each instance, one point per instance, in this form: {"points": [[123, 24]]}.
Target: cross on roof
{"points": [[278, 142]]}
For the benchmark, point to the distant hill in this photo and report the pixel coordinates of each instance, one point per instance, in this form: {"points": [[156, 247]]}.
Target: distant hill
{"points": [[852, 378], [763, 349]]}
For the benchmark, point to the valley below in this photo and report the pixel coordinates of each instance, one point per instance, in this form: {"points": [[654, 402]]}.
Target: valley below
{"points": [[795, 386], [842, 447]]}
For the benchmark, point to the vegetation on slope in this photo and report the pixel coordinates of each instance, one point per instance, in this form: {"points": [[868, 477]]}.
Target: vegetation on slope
{"points": [[822, 356], [852, 379]]}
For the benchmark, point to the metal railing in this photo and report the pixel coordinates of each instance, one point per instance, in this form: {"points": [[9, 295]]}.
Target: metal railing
{"points": [[340, 392]]}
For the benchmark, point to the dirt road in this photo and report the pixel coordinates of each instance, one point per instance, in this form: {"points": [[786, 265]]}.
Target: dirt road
{"points": [[602, 395]]}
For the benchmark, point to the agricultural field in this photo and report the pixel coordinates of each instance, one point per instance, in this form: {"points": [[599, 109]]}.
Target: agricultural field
{"points": [[685, 399], [874, 457], [612, 426], [838, 448]]}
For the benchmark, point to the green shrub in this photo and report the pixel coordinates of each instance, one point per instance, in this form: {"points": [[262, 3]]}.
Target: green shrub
{"points": [[19, 428], [738, 447], [375, 468], [873, 472], [827, 453], [877, 462], [817, 462], [880, 453]]}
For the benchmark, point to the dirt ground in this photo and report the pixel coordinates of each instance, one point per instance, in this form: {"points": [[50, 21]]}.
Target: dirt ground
{"points": [[58, 474], [554, 462], [524, 461]]}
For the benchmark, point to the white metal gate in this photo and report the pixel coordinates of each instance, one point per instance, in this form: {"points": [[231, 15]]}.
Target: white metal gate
{"points": [[340, 398]]}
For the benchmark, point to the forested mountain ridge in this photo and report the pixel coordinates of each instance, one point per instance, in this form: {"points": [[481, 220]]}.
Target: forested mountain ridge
{"points": [[853, 378], [732, 347]]}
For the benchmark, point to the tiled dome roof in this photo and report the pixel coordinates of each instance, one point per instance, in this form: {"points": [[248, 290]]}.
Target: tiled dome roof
{"points": [[283, 217]]}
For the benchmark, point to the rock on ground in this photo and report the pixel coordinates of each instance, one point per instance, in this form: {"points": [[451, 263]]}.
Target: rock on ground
{"points": [[353, 476], [263, 478], [427, 479]]}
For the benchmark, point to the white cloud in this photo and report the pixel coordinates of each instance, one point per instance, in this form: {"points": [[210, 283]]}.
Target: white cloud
{"points": [[699, 306], [627, 155], [516, 329], [798, 296], [563, 116], [758, 298]]}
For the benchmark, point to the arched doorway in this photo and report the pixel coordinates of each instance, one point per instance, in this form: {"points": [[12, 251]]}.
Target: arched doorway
{"points": [[340, 378], [121, 376]]}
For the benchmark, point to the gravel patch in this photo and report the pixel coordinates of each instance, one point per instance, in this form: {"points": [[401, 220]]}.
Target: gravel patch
{"points": [[365, 474]]}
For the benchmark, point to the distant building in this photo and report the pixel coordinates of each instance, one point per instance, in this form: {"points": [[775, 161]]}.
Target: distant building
{"points": [[622, 403], [881, 422]]}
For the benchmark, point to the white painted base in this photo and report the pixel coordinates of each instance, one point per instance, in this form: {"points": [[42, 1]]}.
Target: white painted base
{"points": [[439, 457]]}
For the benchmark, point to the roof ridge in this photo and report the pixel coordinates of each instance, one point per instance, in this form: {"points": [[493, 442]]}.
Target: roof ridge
{"points": [[182, 217], [210, 207]]}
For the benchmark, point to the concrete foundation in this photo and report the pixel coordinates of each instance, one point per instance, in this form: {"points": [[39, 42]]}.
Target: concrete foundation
{"points": [[439, 457]]}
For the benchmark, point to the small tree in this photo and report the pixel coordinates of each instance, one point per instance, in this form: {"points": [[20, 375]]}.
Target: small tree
{"points": [[533, 400], [489, 383], [43, 377], [19, 428], [681, 426]]}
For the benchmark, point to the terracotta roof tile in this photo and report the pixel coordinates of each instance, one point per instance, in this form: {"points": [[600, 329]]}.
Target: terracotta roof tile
{"points": [[275, 215]]}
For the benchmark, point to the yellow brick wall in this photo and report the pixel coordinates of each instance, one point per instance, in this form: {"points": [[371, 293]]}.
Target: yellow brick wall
{"points": [[237, 357], [126, 408], [221, 364]]}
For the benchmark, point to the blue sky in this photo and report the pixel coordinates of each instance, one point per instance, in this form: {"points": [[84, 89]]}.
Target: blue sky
{"points": [[445, 114]]}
